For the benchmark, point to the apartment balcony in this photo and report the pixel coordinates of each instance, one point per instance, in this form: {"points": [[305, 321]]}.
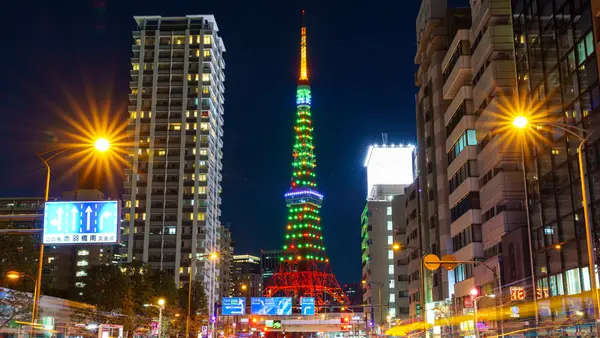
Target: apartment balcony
{"points": [[466, 122], [505, 186], [470, 184], [472, 216], [497, 151], [463, 94], [503, 222], [484, 10], [469, 153], [499, 76], [461, 75], [496, 39], [469, 252]]}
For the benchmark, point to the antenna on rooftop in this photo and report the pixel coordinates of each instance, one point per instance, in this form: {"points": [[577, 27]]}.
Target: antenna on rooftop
{"points": [[384, 137]]}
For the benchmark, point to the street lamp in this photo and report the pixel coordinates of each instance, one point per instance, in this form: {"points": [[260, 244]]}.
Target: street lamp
{"points": [[380, 285], [402, 247], [101, 145], [161, 305], [521, 122], [212, 256], [474, 293], [14, 275]]}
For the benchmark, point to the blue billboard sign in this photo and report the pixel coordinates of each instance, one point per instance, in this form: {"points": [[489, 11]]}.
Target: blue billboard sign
{"points": [[233, 306], [75, 222], [307, 306], [276, 306]]}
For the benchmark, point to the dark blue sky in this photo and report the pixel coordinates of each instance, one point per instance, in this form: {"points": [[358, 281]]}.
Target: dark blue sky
{"points": [[361, 68]]}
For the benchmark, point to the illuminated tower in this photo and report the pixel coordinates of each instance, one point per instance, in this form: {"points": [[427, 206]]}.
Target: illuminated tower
{"points": [[304, 269]]}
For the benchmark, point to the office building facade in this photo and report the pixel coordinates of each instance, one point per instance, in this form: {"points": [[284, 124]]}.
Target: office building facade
{"points": [[556, 48], [247, 279], [172, 188], [269, 262]]}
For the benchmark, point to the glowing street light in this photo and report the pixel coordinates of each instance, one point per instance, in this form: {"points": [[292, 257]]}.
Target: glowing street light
{"points": [[214, 256], [13, 275], [396, 246], [102, 144], [244, 287], [520, 122]]}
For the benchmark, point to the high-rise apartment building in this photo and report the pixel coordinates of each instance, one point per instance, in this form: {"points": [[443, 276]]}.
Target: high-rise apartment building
{"points": [[435, 27], [172, 187], [389, 171]]}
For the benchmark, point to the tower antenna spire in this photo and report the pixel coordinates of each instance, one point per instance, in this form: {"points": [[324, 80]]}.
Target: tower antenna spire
{"points": [[303, 63]]}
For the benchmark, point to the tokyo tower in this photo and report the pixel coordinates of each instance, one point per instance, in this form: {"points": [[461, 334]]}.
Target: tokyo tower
{"points": [[304, 268]]}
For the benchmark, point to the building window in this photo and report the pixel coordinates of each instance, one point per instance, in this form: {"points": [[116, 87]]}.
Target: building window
{"points": [[389, 211], [82, 263], [207, 39], [83, 253], [206, 52], [205, 90], [391, 269], [468, 138], [573, 282], [390, 254], [470, 201], [202, 177], [392, 298], [390, 225], [171, 230], [205, 77], [201, 216], [390, 240], [81, 273], [203, 126], [463, 272]]}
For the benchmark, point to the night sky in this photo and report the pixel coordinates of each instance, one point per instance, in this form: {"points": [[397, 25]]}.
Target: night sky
{"points": [[360, 64]]}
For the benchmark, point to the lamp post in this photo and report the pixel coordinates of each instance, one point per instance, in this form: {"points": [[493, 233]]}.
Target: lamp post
{"points": [[161, 305], [402, 247], [474, 293], [18, 275], [212, 256], [101, 145], [380, 285], [521, 122]]}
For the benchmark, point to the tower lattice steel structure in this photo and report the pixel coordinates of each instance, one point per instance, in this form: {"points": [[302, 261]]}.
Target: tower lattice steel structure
{"points": [[304, 270]]}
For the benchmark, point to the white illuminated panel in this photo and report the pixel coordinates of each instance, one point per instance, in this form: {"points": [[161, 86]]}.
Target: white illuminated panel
{"points": [[389, 165]]}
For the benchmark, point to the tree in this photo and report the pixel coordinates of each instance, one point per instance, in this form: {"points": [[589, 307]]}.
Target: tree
{"points": [[164, 286], [14, 305], [105, 287], [199, 305]]}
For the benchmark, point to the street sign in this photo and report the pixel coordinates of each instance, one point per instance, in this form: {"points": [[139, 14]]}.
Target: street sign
{"points": [[468, 302], [307, 306], [75, 222], [431, 262], [517, 293], [277, 324], [449, 262], [514, 312], [280, 306], [233, 306]]}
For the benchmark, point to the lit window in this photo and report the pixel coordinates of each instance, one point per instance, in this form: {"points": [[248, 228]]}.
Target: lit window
{"points": [[391, 269], [191, 39], [390, 226], [205, 77], [573, 283], [83, 253], [136, 66], [192, 216], [390, 240], [181, 270], [82, 263], [390, 254], [392, 312], [202, 164], [207, 39], [144, 216], [137, 42], [189, 77], [162, 152], [196, 77], [133, 115], [197, 38], [204, 90], [389, 211], [204, 126], [392, 284], [206, 52], [171, 230], [203, 152], [50, 260], [80, 284], [128, 204], [194, 151], [137, 203], [555, 152], [202, 190], [187, 113], [175, 126], [202, 178], [201, 216], [81, 273], [392, 297]]}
